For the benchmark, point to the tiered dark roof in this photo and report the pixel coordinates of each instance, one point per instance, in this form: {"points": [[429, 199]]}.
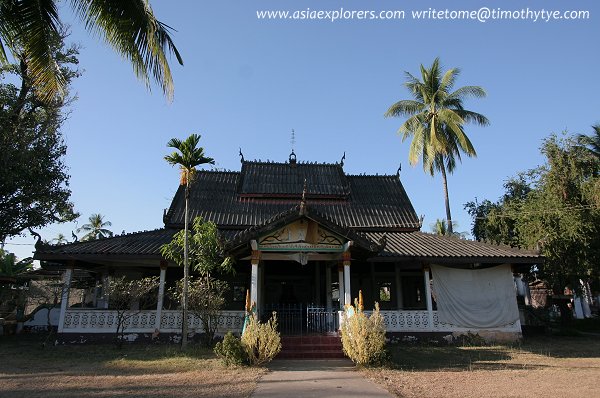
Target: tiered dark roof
{"points": [[240, 200], [373, 211]]}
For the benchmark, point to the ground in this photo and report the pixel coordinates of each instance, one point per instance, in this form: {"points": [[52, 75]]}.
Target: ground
{"points": [[558, 366], [28, 370]]}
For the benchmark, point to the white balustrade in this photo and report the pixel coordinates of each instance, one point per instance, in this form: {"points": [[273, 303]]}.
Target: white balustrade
{"points": [[105, 321]]}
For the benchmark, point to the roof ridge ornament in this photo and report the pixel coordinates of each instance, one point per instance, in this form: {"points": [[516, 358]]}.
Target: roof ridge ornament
{"points": [[303, 201], [343, 158], [241, 156], [399, 170]]}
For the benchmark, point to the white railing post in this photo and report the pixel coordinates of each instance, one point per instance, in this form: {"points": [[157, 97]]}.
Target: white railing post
{"points": [[64, 298], [161, 295], [428, 297]]}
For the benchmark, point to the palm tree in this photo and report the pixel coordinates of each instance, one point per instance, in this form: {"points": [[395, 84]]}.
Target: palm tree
{"points": [[591, 142], [60, 239], [130, 27], [189, 156], [436, 119], [95, 229], [440, 227]]}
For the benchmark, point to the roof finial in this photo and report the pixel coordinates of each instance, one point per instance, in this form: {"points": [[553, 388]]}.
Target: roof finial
{"points": [[241, 156], [293, 155], [399, 170], [343, 158]]}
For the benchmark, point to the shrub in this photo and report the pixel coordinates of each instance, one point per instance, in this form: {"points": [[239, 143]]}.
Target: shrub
{"points": [[363, 337], [231, 351], [261, 340]]}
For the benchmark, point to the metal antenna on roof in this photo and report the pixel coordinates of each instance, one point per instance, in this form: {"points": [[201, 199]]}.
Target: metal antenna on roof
{"points": [[241, 156], [293, 155], [343, 158]]}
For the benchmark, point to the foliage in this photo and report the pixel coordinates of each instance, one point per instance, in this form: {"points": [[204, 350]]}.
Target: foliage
{"points": [[128, 298], [187, 156], [231, 351], [130, 27], [435, 120], [363, 337], [34, 184], [95, 229], [206, 301], [206, 254], [261, 341], [554, 208], [9, 266]]}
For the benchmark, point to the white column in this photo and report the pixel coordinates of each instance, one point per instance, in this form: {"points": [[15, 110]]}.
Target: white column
{"points": [[254, 278], [161, 296], [341, 286], [64, 298], [399, 302], [261, 285], [428, 296]]}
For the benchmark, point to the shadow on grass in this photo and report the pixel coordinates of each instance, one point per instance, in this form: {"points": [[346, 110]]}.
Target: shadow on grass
{"points": [[498, 357], [25, 354], [563, 346], [433, 358]]}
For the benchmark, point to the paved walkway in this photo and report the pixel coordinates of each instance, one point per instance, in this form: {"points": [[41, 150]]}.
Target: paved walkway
{"points": [[316, 378]]}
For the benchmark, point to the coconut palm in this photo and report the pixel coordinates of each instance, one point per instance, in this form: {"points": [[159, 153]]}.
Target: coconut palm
{"points": [[130, 27], [96, 228], [591, 142], [187, 156], [435, 121], [60, 239]]}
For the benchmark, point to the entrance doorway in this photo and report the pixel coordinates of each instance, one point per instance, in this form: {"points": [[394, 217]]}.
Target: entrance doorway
{"points": [[299, 295]]}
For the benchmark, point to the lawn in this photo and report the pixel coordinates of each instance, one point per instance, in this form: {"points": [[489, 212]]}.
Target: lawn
{"points": [[544, 366], [28, 370]]}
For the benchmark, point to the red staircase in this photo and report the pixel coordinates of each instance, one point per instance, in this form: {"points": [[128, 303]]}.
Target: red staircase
{"points": [[311, 347]]}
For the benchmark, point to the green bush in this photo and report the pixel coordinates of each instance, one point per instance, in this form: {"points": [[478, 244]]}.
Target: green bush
{"points": [[231, 351], [363, 337], [261, 341]]}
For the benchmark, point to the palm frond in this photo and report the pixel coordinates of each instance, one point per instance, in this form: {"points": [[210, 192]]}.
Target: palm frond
{"points": [[131, 28], [404, 108], [28, 27]]}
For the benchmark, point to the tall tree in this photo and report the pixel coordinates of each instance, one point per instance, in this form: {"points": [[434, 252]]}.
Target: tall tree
{"points": [[435, 120], [554, 208], [188, 156], [95, 228], [34, 182], [130, 27]]}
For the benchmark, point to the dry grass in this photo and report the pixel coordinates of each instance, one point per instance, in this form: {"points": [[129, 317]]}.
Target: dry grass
{"points": [[27, 370], [557, 367]]}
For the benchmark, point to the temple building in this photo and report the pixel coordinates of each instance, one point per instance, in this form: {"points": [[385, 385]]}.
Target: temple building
{"points": [[306, 238]]}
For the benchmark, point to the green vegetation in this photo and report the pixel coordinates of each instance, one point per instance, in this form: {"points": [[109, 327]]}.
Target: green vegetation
{"points": [[363, 337], [554, 208], [188, 156], [261, 340], [34, 184], [130, 27], [436, 119], [231, 351], [96, 228]]}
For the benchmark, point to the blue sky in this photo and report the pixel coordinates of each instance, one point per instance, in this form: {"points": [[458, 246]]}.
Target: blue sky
{"points": [[247, 83]]}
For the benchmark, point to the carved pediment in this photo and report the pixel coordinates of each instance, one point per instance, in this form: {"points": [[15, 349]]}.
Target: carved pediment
{"points": [[302, 235]]}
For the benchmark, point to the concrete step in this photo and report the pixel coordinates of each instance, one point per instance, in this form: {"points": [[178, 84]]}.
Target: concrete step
{"points": [[311, 347]]}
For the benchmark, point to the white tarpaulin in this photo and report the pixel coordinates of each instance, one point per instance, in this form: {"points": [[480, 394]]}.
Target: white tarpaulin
{"points": [[480, 298]]}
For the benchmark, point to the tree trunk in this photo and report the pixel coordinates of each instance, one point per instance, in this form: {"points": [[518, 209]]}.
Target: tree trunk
{"points": [[186, 273], [449, 230]]}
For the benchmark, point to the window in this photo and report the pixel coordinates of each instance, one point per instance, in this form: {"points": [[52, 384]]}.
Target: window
{"points": [[385, 292]]}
